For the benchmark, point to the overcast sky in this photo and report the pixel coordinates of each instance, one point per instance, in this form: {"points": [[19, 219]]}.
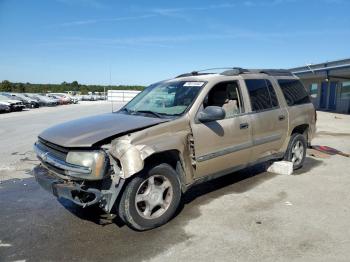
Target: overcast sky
{"points": [[140, 42]]}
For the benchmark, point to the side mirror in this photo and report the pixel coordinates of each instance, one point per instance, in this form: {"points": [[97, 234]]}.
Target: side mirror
{"points": [[211, 113]]}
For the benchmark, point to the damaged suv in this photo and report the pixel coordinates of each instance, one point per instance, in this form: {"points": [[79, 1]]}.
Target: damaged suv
{"points": [[138, 162]]}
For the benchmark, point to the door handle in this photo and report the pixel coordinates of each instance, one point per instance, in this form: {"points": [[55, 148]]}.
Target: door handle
{"points": [[281, 117], [243, 126]]}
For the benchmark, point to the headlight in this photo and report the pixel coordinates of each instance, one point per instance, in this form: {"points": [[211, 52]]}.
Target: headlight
{"points": [[95, 160]]}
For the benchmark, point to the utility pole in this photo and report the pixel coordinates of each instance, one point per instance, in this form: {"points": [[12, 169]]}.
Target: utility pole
{"points": [[110, 83]]}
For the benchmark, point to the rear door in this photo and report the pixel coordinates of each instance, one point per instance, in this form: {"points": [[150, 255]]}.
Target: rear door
{"points": [[269, 119], [223, 145]]}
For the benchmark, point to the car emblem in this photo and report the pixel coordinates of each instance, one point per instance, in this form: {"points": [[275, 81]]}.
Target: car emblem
{"points": [[44, 156]]}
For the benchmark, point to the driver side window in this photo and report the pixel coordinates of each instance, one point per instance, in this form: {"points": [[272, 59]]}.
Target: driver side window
{"points": [[227, 96]]}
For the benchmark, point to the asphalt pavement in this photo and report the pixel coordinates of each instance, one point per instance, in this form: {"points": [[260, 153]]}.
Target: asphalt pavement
{"points": [[250, 215]]}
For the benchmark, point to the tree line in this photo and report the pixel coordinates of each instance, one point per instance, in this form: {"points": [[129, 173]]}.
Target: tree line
{"points": [[7, 86]]}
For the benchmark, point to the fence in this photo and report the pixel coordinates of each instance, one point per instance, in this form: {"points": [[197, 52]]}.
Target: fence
{"points": [[121, 95]]}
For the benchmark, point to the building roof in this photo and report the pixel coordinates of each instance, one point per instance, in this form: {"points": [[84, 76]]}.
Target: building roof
{"points": [[330, 69]]}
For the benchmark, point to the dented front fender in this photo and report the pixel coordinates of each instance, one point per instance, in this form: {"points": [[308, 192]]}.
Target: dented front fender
{"points": [[132, 150], [131, 157]]}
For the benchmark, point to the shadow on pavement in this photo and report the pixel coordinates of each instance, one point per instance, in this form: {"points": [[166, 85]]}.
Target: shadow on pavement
{"points": [[309, 164], [237, 182]]}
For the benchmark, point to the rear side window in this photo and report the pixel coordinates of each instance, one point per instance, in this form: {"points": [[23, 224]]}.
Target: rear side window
{"points": [[262, 95], [294, 92]]}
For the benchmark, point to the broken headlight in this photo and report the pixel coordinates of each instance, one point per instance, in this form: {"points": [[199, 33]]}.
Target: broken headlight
{"points": [[95, 160]]}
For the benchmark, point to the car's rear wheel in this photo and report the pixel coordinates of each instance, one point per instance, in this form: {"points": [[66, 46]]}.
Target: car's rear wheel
{"points": [[150, 199], [296, 150]]}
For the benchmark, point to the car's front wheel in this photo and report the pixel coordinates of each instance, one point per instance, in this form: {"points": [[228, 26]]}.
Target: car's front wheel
{"points": [[150, 199]]}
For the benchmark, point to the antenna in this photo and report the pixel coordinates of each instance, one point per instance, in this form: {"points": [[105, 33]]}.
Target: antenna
{"points": [[309, 66]]}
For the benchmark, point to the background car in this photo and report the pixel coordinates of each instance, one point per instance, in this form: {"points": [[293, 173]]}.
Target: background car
{"points": [[43, 100], [75, 99], [66, 98], [30, 101], [4, 107], [15, 105], [63, 100], [87, 98], [13, 97]]}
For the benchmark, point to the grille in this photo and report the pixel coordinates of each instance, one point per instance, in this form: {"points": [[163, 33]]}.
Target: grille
{"points": [[55, 169], [55, 150]]}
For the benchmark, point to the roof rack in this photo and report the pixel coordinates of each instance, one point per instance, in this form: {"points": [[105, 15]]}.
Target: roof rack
{"points": [[276, 72], [194, 73], [234, 71], [271, 72]]}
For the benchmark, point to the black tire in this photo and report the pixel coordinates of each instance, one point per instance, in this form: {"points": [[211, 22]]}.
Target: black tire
{"points": [[127, 208], [296, 138]]}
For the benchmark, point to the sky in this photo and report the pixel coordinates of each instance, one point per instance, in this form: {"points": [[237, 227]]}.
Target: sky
{"points": [[141, 42]]}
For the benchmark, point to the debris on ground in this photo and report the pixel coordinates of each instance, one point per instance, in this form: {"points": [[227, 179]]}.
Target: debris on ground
{"points": [[330, 151], [317, 154], [281, 168]]}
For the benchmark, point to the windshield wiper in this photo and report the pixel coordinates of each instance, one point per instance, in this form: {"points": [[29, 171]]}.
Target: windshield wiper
{"points": [[149, 112]]}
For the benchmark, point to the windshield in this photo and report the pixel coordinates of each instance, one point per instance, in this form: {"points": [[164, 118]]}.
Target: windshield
{"points": [[165, 98]]}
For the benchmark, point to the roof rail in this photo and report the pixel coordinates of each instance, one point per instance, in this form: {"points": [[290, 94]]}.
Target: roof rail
{"points": [[276, 72], [234, 71], [193, 73], [202, 72]]}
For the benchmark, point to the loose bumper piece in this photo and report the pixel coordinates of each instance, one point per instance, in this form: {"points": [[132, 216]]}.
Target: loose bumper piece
{"points": [[68, 190]]}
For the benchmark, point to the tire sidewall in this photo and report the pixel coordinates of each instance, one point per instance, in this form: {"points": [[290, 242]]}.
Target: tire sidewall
{"points": [[294, 139], [131, 216]]}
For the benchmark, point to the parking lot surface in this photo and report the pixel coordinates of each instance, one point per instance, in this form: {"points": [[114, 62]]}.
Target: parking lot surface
{"points": [[250, 215]]}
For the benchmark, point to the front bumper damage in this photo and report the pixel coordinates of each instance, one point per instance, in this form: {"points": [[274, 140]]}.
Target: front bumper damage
{"points": [[77, 192], [75, 182]]}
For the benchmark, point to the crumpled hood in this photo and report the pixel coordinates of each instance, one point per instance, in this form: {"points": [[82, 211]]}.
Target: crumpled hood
{"points": [[85, 132]]}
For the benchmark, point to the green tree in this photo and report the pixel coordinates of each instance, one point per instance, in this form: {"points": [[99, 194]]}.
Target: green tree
{"points": [[6, 86], [75, 84]]}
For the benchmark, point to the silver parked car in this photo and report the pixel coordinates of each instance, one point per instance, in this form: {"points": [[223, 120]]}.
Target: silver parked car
{"points": [[15, 105], [4, 107]]}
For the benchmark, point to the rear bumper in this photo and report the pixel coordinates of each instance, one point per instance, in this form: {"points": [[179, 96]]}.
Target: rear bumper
{"points": [[63, 189]]}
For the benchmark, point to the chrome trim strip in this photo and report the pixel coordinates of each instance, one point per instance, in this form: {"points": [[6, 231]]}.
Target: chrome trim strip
{"points": [[225, 151], [232, 149], [46, 157], [266, 139]]}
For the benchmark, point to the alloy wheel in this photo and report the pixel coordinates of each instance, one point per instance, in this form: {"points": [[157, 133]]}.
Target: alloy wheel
{"points": [[297, 153], [154, 197]]}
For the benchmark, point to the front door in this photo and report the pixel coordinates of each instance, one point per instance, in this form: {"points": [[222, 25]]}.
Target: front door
{"points": [[223, 145]]}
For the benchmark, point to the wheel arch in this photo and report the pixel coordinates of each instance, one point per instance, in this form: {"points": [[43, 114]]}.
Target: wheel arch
{"points": [[171, 157], [303, 129]]}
